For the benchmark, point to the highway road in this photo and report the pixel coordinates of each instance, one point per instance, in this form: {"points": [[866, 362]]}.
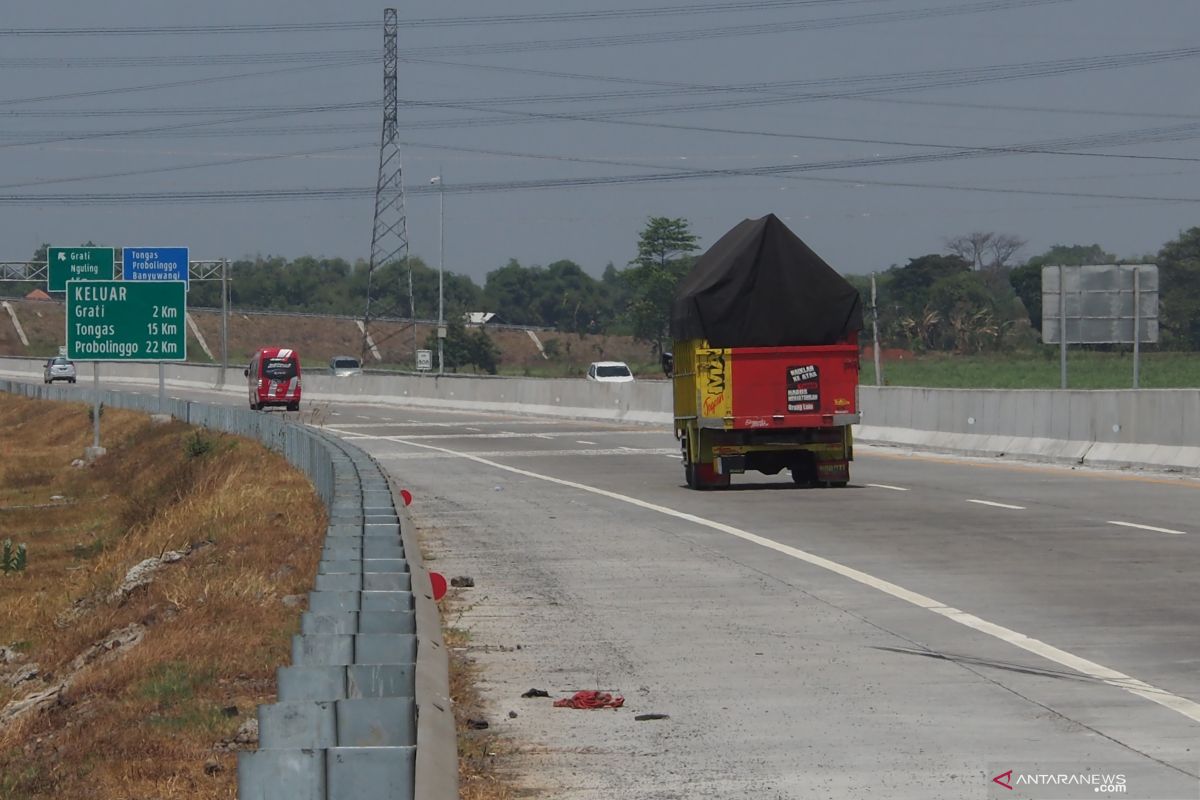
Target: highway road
{"points": [[935, 624]]}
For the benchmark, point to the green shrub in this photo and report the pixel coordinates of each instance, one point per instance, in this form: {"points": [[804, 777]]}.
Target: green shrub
{"points": [[12, 560]]}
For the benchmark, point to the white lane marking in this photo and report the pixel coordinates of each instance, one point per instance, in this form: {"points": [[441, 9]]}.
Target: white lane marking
{"points": [[887, 486], [583, 441], [1181, 705], [996, 505], [1146, 527], [669, 452], [476, 430], [498, 435], [360, 416]]}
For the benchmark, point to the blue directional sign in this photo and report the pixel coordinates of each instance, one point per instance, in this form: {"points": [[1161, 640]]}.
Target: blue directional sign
{"points": [[154, 264]]}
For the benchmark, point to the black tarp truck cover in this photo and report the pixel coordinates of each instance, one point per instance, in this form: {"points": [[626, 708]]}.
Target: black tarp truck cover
{"points": [[759, 285]]}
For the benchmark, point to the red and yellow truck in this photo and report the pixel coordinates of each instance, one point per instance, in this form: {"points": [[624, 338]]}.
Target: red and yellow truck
{"points": [[765, 361]]}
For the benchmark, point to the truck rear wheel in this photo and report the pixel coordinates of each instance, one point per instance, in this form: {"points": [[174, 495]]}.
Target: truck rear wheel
{"points": [[689, 469], [802, 476]]}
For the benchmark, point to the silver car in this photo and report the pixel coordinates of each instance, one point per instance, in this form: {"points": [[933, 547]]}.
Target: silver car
{"points": [[344, 366], [59, 368]]}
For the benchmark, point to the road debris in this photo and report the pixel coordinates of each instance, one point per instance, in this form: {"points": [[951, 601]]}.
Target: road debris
{"points": [[590, 698]]}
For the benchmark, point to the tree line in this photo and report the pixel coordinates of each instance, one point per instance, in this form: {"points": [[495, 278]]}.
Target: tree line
{"points": [[976, 295]]}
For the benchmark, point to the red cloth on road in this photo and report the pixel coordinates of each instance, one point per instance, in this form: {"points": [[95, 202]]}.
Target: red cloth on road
{"points": [[590, 699]]}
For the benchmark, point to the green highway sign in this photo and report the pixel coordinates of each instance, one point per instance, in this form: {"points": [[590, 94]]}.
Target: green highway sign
{"points": [[77, 264], [126, 320]]}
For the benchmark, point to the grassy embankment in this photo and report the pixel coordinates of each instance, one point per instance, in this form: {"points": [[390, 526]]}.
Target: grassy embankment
{"points": [[1085, 370], [141, 720]]}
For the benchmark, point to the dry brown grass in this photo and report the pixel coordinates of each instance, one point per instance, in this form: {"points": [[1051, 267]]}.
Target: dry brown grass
{"points": [[144, 724]]}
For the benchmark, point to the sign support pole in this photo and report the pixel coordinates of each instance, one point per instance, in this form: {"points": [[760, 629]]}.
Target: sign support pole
{"points": [[96, 407], [1062, 323], [162, 390], [224, 318], [1137, 326], [875, 327]]}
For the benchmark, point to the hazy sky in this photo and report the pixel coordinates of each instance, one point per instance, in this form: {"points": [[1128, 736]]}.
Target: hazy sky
{"points": [[853, 118]]}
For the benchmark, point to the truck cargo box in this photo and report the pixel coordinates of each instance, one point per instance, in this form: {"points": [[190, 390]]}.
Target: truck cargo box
{"points": [[766, 387]]}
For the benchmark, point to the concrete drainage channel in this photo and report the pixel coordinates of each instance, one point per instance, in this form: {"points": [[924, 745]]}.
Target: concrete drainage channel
{"points": [[363, 710]]}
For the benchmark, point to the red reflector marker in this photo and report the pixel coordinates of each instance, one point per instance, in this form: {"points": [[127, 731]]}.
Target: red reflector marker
{"points": [[438, 581], [406, 495]]}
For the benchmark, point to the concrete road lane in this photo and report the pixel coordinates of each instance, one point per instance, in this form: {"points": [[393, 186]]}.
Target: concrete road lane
{"points": [[1024, 628]]}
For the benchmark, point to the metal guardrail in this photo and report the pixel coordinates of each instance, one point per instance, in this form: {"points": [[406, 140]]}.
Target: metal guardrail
{"points": [[364, 709]]}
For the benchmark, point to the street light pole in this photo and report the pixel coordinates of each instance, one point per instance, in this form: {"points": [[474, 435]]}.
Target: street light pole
{"points": [[441, 337]]}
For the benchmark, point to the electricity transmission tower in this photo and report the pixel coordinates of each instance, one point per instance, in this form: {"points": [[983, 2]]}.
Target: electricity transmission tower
{"points": [[389, 234]]}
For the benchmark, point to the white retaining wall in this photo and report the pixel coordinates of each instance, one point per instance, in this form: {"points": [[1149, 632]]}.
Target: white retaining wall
{"points": [[1124, 428]]}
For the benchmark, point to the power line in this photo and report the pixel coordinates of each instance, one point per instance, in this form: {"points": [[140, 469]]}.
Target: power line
{"points": [[174, 129], [870, 83], [184, 167], [181, 83], [991, 107], [793, 171], [729, 31], [187, 111], [327, 57], [432, 22], [891, 82]]}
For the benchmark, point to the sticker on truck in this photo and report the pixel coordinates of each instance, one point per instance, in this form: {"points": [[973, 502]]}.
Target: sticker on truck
{"points": [[803, 388], [716, 396]]}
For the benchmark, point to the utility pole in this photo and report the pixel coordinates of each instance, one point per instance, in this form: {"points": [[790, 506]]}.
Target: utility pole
{"points": [[389, 234]]}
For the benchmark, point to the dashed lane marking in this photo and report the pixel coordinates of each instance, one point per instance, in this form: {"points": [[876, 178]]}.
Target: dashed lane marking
{"points": [[496, 435], [1146, 527], [994, 504], [669, 452], [887, 486]]}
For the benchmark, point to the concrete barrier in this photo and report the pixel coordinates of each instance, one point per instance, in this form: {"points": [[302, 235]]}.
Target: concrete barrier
{"points": [[1148, 428], [1123, 428]]}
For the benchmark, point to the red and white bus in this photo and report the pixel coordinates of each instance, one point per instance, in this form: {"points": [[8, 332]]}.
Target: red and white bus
{"points": [[273, 378]]}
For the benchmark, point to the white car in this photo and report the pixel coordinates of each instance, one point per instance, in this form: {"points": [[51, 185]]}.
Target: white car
{"points": [[609, 372], [58, 368], [344, 366]]}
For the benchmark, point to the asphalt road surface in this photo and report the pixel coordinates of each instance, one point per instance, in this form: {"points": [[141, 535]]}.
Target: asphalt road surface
{"points": [[933, 625], [937, 623]]}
